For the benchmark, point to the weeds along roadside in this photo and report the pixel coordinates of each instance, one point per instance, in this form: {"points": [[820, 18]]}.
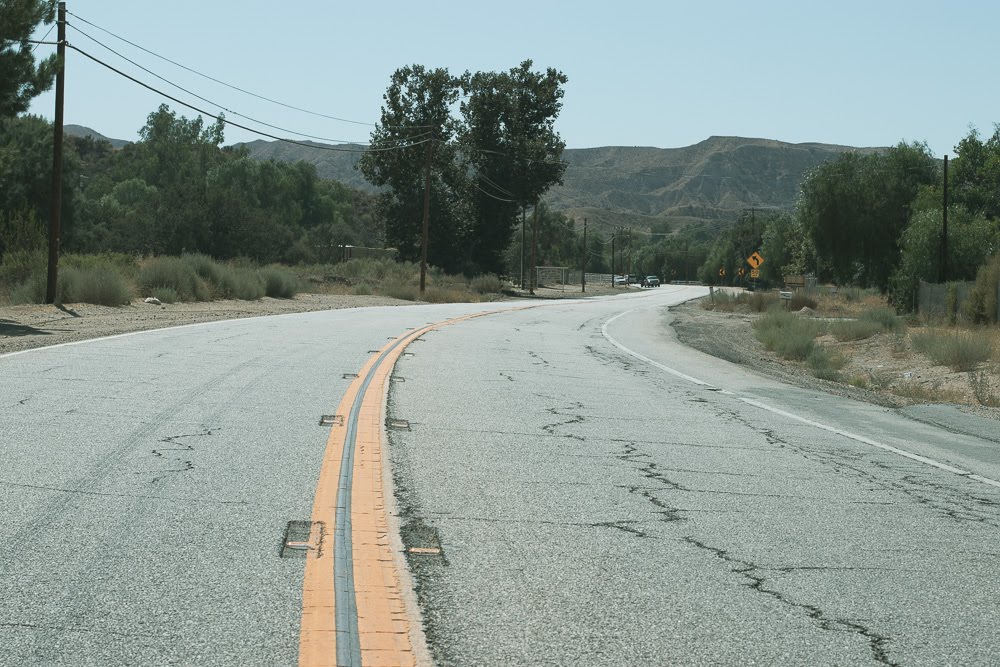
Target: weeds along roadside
{"points": [[821, 331], [116, 279]]}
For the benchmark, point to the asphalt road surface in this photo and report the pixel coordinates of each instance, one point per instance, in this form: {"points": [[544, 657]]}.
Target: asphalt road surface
{"points": [[599, 494]]}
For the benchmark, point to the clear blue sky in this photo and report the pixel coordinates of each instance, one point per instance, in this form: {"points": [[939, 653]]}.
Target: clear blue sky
{"points": [[663, 74]]}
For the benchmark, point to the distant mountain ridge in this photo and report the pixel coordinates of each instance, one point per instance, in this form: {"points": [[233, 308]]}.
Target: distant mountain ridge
{"points": [[82, 131], [713, 180]]}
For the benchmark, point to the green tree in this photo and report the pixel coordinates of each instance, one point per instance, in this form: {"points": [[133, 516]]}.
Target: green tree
{"points": [[975, 173], [856, 207], [972, 240], [416, 123], [21, 76], [514, 154]]}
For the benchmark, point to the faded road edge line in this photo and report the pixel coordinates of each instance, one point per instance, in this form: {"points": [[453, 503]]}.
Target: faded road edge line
{"points": [[763, 406], [874, 443]]}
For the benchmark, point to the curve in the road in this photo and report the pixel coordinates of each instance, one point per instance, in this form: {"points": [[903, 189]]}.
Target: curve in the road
{"points": [[763, 406]]}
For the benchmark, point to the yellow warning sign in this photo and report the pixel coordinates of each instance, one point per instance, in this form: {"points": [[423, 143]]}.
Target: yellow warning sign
{"points": [[755, 260]]}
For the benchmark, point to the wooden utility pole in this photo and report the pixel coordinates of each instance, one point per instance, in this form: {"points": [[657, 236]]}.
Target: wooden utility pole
{"points": [[55, 202], [612, 259], [427, 210], [534, 248], [944, 234], [583, 270], [522, 246]]}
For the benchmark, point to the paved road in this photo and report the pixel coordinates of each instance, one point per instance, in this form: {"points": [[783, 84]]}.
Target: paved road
{"points": [[595, 508], [601, 495]]}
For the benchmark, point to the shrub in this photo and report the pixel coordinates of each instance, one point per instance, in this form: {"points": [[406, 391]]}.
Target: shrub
{"points": [[886, 318], [824, 365], [759, 302], [176, 274], [31, 290], [445, 295], [801, 300], [244, 284], [404, 292], [786, 334], [487, 283], [362, 289], [982, 304], [165, 294], [961, 351], [102, 285], [845, 330], [21, 266], [278, 283]]}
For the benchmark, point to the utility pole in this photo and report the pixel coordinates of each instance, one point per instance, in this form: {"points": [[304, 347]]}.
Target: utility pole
{"points": [[522, 246], [55, 204], [629, 251], [427, 210], [613, 258], [944, 235], [583, 269], [534, 249]]}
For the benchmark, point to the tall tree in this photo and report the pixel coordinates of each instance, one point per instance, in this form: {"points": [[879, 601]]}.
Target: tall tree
{"points": [[856, 208], [21, 76], [508, 138], [975, 173], [416, 123]]}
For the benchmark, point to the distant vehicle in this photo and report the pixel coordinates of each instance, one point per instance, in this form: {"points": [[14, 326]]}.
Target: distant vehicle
{"points": [[650, 281], [621, 280]]}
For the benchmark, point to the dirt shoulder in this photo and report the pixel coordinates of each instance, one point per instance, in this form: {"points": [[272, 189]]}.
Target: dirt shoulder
{"points": [[890, 372], [27, 327]]}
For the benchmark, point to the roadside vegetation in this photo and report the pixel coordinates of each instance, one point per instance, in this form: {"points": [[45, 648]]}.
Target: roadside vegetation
{"points": [[115, 279], [853, 337]]}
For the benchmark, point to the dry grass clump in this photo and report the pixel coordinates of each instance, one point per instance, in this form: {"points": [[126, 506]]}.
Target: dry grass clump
{"points": [[958, 350]]}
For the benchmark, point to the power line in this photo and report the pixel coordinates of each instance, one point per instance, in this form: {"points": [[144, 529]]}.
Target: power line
{"points": [[491, 196], [211, 78], [42, 40], [242, 127], [205, 99]]}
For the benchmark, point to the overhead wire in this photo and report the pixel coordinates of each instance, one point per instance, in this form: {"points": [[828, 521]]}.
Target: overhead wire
{"points": [[213, 103], [44, 37], [218, 81], [234, 124]]}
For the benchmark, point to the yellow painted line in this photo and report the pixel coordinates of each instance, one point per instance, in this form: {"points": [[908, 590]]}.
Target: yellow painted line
{"points": [[384, 627], [318, 632]]}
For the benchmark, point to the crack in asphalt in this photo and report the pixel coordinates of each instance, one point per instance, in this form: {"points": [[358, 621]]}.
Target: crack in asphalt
{"points": [[539, 360], [956, 505], [624, 526], [878, 644], [651, 471], [573, 419], [186, 465]]}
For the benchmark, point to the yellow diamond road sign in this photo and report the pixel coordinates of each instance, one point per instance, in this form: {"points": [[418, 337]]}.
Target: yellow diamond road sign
{"points": [[755, 260]]}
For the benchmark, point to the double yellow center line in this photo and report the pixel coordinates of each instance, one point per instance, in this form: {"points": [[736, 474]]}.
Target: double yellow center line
{"points": [[353, 611]]}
